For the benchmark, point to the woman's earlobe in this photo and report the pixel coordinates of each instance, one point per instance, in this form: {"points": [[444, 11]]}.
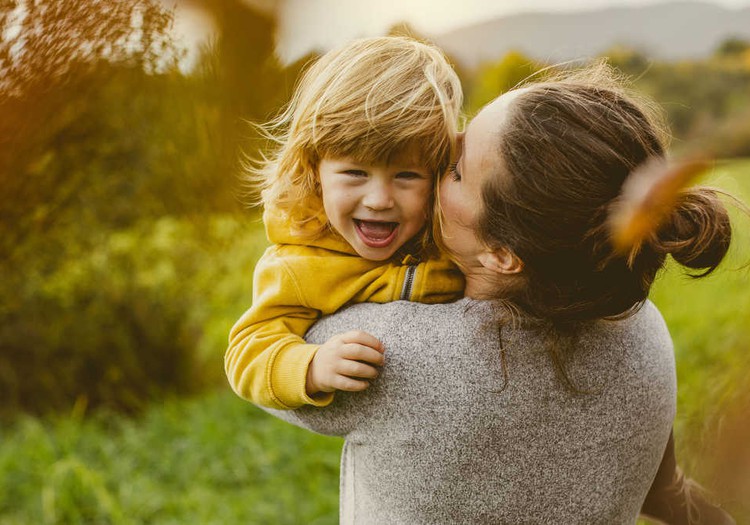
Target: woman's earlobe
{"points": [[501, 261]]}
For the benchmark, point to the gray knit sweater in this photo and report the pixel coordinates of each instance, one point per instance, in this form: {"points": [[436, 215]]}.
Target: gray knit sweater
{"points": [[447, 435]]}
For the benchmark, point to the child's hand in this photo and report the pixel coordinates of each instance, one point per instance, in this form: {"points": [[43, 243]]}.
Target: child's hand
{"points": [[343, 358]]}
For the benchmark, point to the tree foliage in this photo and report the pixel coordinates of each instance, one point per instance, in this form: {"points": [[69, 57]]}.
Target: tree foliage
{"points": [[65, 64], [496, 78], [733, 47], [45, 41], [706, 101], [103, 139]]}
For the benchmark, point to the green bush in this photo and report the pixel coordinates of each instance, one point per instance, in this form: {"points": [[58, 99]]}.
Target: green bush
{"points": [[493, 79], [731, 139], [704, 101], [123, 317]]}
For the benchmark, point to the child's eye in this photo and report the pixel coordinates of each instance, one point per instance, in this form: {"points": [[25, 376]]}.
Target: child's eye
{"points": [[453, 172], [408, 175], [355, 173]]}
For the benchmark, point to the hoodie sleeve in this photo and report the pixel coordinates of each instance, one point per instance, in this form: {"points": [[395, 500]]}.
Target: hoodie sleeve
{"points": [[267, 358]]}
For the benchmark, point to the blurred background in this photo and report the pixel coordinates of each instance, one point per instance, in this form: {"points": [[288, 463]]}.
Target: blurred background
{"points": [[126, 249]]}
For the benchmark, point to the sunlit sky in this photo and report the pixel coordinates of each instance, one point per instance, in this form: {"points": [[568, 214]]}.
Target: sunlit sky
{"points": [[322, 24], [306, 25]]}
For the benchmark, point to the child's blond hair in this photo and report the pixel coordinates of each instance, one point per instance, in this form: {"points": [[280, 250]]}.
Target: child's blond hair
{"points": [[370, 100]]}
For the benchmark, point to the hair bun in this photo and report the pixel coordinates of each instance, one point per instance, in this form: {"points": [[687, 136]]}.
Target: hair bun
{"points": [[698, 232], [647, 199]]}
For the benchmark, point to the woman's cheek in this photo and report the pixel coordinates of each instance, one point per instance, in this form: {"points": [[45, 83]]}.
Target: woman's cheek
{"points": [[441, 194], [447, 206]]}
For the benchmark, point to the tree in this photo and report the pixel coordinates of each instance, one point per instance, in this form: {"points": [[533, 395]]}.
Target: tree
{"points": [[494, 79], [117, 178], [628, 60], [57, 59], [84, 137], [732, 47], [45, 41]]}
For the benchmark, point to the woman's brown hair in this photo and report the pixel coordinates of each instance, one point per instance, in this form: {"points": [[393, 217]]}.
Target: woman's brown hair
{"points": [[567, 146]]}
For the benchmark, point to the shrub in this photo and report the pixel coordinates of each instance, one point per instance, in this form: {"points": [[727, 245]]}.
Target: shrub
{"points": [[123, 317]]}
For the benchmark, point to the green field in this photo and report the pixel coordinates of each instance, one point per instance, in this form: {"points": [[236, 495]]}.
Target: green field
{"points": [[216, 459], [210, 460]]}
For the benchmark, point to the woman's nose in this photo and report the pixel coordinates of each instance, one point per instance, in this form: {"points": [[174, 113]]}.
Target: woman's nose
{"points": [[378, 197]]}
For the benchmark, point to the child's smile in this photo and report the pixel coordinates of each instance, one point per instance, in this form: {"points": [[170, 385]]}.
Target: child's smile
{"points": [[375, 207], [376, 234]]}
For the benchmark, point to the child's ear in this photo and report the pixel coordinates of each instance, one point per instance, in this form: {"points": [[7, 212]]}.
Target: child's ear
{"points": [[502, 261]]}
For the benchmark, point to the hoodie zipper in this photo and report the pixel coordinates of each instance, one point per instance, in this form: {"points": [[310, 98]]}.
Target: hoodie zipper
{"points": [[411, 270]]}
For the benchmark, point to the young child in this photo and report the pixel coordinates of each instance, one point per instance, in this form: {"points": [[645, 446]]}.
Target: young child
{"points": [[348, 195]]}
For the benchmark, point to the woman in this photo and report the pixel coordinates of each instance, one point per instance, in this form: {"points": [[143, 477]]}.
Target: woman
{"points": [[525, 402]]}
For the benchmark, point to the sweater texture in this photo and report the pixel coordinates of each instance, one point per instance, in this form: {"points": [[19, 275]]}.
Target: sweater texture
{"points": [[470, 420]]}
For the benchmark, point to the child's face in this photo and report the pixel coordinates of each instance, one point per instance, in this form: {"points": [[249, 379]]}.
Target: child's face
{"points": [[375, 207]]}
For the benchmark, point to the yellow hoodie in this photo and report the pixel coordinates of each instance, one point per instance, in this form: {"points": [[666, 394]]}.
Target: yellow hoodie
{"points": [[297, 281]]}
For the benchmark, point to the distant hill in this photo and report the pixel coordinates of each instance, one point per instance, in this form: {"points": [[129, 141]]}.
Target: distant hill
{"points": [[669, 31]]}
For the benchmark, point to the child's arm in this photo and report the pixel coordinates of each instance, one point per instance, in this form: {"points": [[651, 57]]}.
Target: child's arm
{"points": [[268, 362]]}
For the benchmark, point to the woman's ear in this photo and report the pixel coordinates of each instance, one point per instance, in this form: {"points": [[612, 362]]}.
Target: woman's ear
{"points": [[502, 261]]}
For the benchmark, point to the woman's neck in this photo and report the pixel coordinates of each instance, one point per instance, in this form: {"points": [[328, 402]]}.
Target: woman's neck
{"points": [[484, 284], [480, 284]]}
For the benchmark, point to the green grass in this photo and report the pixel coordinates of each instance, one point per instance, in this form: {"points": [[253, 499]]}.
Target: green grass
{"points": [[708, 319], [216, 459], [211, 460]]}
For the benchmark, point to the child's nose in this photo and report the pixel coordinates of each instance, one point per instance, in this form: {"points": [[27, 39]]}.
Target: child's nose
{"points": [[379, 197]]}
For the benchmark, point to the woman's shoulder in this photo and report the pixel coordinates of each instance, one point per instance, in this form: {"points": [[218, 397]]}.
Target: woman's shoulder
{"points": [[638, 341], [643, 328], [628, 359], [409, 318]]}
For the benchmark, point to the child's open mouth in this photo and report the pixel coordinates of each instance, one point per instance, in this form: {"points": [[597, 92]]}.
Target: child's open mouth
{"points": [[376, 234]]}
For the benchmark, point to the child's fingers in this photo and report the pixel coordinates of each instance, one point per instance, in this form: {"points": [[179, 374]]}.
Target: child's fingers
{"points": [[358, 352], [348, 384], [356, 369], [362, 338]]}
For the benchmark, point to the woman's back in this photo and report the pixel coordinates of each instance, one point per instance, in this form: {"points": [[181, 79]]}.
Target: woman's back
{"points": [[452, 433]]}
